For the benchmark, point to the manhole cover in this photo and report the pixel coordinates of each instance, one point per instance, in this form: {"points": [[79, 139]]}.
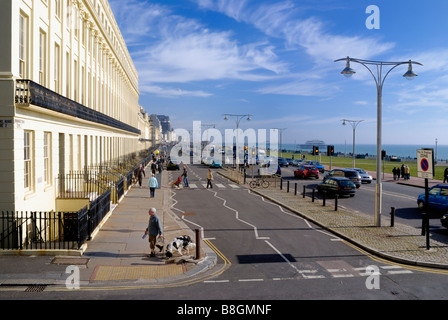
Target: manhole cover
{"points": [[70, 261]]}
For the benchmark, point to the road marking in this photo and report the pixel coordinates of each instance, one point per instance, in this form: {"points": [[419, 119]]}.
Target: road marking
{"points": [[219, 185], [250, 280], [238, 218], [283, 257], [234, 186], [305, 276]]}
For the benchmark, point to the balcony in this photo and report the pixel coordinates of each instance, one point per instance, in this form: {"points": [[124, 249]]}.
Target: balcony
{"points": [[30, 93]]}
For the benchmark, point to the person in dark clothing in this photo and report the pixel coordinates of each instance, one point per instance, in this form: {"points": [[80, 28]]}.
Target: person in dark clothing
{"points": [[139, 174], [445, 175]]}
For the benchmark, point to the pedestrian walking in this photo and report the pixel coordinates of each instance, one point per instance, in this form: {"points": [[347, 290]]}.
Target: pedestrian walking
{"points": [[154, 230], [394, 172], [152, 184], [139, 174], [153, 166], [185, 176], [407, 173], [209, 179], [445, 175]]}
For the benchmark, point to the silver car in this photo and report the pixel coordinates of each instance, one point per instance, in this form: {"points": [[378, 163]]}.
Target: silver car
{"points": [[365, 177]]}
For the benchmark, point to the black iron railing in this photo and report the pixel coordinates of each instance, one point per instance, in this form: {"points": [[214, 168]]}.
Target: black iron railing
{"points": [[29, 92], [43, 230]]}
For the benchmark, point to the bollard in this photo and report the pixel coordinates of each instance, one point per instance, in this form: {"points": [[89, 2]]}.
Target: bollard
{"points": [[295, 189], [392, 216], [198, 244], [427, 233], [313, 195], [336, 197], [287, 187], [423, 223], [324, 197], [281, 183], [304, 191]]}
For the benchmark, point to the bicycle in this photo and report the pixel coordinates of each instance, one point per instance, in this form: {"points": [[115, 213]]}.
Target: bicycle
{"points": [[259, 182]]}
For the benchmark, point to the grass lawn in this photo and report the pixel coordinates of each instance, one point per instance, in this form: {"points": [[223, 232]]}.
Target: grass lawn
{"points": [[366, 164]]}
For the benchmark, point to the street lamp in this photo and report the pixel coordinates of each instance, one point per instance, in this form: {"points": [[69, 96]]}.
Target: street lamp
{"points": [[379, 81], [281, 139], [238, 118], [354, 124]]}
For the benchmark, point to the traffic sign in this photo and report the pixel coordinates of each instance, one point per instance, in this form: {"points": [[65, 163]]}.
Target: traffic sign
{"points": [[425, 163]]}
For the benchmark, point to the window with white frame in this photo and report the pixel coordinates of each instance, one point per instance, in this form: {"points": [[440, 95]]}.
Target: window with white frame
{"points": [[57, 68], [23, 46], [28, 146], [42, 57], [47, 158]]}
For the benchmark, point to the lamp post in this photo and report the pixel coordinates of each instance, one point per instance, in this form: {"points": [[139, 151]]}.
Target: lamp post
{"points": [[238, 118], [379, 78], [281, 139], [354, 124]]}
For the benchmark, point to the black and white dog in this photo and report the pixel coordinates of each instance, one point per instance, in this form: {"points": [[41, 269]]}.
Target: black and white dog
{"points": [[179, 243]]}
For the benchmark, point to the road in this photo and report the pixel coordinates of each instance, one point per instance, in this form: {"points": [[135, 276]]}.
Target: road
{"points": [[266, 253], [272, 253]]}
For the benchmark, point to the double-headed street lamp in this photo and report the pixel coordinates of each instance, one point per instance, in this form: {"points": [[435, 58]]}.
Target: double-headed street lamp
{"points": [[238, 118], [379, 78], [354, 124]]}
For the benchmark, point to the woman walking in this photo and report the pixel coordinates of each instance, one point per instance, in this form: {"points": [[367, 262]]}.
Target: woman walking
{"points": [[209, 179], [152, 184]]}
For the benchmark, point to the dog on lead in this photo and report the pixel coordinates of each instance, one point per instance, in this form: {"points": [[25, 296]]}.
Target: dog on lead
{"points": [[183, 243]]}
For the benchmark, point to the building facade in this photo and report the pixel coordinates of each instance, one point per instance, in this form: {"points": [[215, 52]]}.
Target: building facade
{"points": [[68, 97]]}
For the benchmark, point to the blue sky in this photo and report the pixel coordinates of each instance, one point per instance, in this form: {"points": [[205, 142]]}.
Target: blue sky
{"points": [[199, 59]]}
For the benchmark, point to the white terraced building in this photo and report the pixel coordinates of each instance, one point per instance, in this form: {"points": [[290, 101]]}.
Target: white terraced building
{"points": [[69, 97]]}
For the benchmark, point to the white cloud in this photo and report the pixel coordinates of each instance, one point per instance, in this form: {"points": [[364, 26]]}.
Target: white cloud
{"points": [[173, 49]]}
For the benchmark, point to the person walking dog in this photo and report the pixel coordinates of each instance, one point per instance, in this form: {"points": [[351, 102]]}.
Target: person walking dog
{"points": [[154, 230]]}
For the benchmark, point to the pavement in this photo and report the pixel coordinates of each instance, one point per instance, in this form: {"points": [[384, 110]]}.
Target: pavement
{"points": [[117, 253]]}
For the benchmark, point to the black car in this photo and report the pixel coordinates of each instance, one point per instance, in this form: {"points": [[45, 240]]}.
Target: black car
{"points": [[282, 162], [338, 185], [351, 174]]}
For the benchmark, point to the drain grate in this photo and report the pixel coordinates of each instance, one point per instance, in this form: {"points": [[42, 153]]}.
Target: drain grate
{"points": [[36, 288]]}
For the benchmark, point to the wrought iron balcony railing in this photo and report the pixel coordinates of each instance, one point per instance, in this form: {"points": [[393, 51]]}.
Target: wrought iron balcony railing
{"points": [[29, 92]]}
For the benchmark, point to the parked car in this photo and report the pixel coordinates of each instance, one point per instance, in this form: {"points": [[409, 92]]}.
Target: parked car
{"points": [[306, 171], [365, 177], [290, 161], [347, 173], [317, 165], [444, 220], [338, 185], [282, 162], [296, 162], [437, 198]]}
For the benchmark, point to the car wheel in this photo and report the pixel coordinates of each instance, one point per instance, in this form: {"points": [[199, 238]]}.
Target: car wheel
{"points": [[421, 205]]}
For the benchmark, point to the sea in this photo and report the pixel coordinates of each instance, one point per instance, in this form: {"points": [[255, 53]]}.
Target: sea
{"points": [[400, 151]]}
